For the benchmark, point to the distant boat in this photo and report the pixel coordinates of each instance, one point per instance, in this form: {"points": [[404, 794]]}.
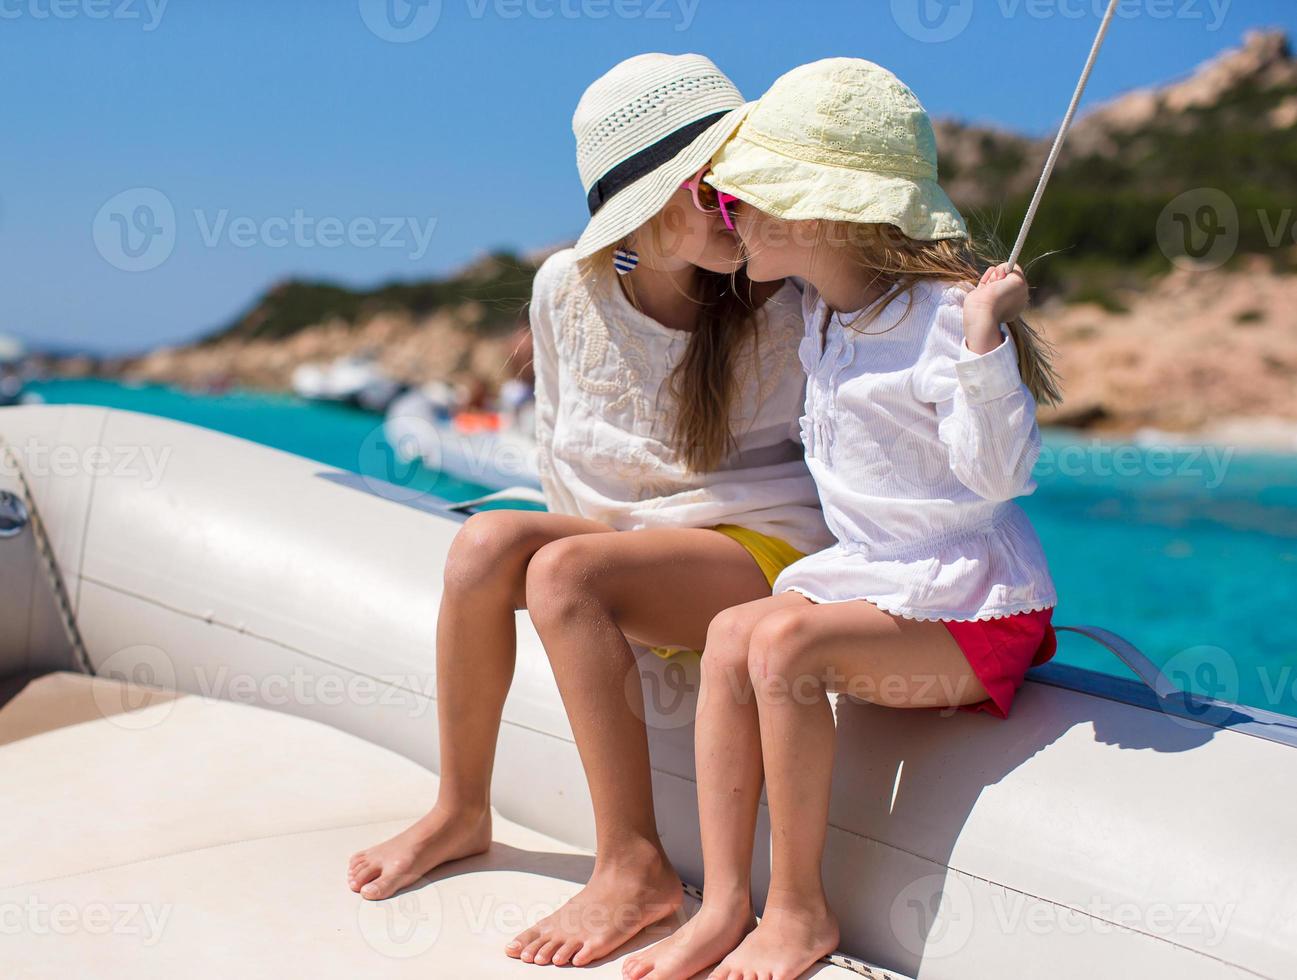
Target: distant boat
{"points": [[11, 382], [11, 389], [355, 380], [493, 449]]}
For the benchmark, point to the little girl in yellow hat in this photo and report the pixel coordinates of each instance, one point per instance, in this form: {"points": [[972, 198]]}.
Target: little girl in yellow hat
{"points": [[920, 429]]}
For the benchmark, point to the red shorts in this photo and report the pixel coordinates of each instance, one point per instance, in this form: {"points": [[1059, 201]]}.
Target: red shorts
{"points": [[1001, 650]]}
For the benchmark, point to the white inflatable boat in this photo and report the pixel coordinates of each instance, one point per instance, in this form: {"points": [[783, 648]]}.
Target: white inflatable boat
{"points": [[355, 380], [217, 664], [417, 428]]}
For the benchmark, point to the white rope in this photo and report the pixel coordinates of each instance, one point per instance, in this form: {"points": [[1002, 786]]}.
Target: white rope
{"points": [[1062, 134]]}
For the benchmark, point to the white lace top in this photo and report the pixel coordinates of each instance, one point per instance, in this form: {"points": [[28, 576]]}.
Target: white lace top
{"points": [[918, 447], [603, 416]]}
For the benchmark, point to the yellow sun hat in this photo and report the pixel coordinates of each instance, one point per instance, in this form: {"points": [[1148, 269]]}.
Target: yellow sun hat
{"points": [[841, 139]]}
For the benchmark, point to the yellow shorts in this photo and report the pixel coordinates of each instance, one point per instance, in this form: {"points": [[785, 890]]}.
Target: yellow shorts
{"points": [[772, 556]]}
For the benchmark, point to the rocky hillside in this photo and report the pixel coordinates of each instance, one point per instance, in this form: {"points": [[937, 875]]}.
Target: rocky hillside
{"points": [[459, 327], [1212, 355], [1252, 89], [1140, 342], [487, 295], [1231, 125]]}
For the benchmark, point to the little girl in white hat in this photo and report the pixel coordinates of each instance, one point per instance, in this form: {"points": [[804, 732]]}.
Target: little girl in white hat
{"points": [[668, 390], [919, 431]]}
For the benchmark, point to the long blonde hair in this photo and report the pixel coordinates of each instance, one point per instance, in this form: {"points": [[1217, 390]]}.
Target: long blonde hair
{"points": [[703, 384], [900, 263]]}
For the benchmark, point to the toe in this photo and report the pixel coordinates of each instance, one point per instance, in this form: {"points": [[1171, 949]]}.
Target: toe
{"points": [[597, 947], [546, 952], [590, 951], [384, 886], [363, 876], [520, 942], [532, 948], [563, 955]]}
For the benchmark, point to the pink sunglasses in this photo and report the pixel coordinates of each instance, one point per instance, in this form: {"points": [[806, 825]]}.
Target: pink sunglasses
{"points": [[709, 200]]}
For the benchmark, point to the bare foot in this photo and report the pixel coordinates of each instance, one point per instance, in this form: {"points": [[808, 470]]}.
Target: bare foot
{"points": [[787, 943], [714, 931], [435, 838], [619, 902]]}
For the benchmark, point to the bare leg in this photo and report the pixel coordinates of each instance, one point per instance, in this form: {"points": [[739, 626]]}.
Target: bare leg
{"points": [[796, 657], [476, 644], [728, 749], [586, 595]]}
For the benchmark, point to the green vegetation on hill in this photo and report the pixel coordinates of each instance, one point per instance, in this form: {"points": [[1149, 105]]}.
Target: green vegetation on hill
{"points": [[1101, 211], [500, 283]]}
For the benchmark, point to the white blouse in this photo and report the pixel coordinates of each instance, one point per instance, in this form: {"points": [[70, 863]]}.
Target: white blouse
{"points": [[918, 447], [604, 414]]}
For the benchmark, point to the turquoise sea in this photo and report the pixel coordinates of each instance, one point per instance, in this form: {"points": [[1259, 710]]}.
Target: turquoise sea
{"points": [[1190, 552]]}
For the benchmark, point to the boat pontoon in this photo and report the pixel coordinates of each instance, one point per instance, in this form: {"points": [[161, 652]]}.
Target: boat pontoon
{"points": [[218, 685]]}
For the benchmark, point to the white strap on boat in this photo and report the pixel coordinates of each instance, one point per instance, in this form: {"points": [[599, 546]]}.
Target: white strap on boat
{"points": [[1062, 134], [524, 495], [1131, 656]]}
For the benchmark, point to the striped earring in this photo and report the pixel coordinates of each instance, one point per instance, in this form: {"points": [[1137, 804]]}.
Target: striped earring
{"points": [[624, 261]]}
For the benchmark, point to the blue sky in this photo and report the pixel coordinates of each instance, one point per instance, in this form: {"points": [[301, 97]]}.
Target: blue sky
{"points": [[368, 140]]}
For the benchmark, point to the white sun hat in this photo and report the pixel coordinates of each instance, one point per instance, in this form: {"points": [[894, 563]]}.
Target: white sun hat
{"points": [[841, 139], [645, 127]]}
